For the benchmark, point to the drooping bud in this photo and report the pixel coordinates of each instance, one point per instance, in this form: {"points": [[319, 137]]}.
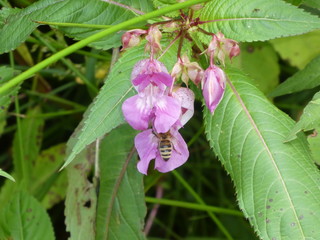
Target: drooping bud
{"points": [[221, 46], [213, 86], [153, 38], [187, 70], [132, 38]]}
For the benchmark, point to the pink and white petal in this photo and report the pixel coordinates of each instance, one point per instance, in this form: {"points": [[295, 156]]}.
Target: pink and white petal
{"points": [[137, 112], [146, 144], [162, 78], [186, 99], [139, 68], [168, 110], [179, 156]]}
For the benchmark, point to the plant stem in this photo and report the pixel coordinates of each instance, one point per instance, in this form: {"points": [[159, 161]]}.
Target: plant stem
{"points": [[193, 206], [23, 76]]}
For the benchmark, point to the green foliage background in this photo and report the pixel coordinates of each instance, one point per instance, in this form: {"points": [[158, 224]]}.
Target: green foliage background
{"points": [[68, 116]]}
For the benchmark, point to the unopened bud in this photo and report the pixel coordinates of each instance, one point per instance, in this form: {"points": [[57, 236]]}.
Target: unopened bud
{"points": [[153, 38], [132, 38]]}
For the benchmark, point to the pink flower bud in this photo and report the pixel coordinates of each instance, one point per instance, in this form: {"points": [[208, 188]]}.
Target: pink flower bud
{"points": [[187, 70], [213, 86], [221, 46], [153, 38], [132, 38]]}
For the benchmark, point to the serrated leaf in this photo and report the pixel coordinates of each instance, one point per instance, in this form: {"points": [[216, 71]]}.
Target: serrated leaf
{"points": [[26, 219], [256, 20], [312, 3], [81, 199], [307, 78], [310, 119], [277, 183], [294, 2], [260, 62], [5, 98], [17, 27], [164, 3], [6, 175], [121, 205], [105, 112], [298, 50]]}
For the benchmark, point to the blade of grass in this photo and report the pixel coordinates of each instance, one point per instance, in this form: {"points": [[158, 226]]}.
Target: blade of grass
{"points": [[199, 200], [193, 206]]}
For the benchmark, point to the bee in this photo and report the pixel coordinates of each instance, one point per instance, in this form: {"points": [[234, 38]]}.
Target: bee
{"points": [[165, 145]]}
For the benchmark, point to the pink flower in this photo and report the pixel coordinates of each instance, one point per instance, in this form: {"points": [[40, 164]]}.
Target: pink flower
{"points": [[147, 145], [151, 106], [185, 96], [150, 71], [213, 85]]}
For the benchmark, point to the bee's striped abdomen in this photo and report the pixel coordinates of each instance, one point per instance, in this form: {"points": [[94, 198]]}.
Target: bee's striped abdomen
{"points": [[165, 149]]}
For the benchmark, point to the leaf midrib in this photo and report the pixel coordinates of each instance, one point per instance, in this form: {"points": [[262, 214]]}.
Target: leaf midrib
{"points": [[256, 129], [262, 18]]}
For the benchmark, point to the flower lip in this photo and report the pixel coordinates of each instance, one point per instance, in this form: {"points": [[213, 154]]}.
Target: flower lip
{"points": [[147, 145]]}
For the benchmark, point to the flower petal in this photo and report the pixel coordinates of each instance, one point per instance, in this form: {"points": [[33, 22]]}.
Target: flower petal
{"points": [[137, 112], [168, 110], [162, 78], [186, 98], [146, 144], [179, 155]]}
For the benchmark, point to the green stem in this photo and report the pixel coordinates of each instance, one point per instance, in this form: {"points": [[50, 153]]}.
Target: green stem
{"points": [[193, 206], [199, 200], [23, 76]]}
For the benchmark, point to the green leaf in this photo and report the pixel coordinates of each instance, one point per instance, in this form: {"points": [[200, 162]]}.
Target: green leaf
{"points": [[26, 144], [17, 27], [105, 112], [298, 50], [312, 3], [80, 204], [260, 61], [307, 78], [6, 175], [5, 98], [277, 183], [314, 142], [47, 184], [294, 2], [257, 20], [121, 205], [26, 219], [310, 119]]}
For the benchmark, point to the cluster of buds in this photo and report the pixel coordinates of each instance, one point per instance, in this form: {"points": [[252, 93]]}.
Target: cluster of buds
{"points": [[161, 107]]}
